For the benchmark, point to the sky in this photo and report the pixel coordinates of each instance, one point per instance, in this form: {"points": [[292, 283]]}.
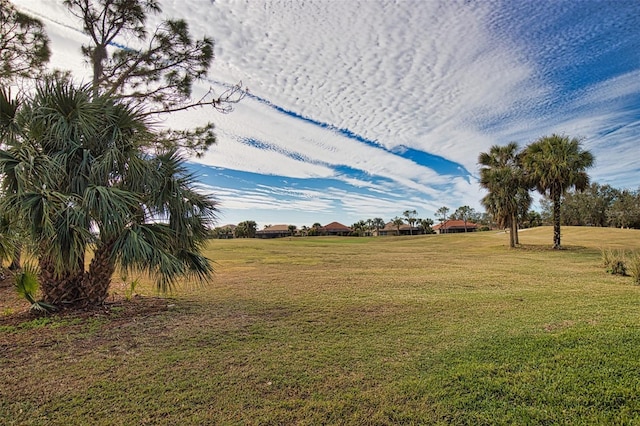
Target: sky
{"points": [[366, 108]]}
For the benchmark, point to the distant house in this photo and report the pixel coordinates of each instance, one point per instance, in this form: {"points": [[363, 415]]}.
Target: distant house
{"points": [[455, 226], [274, 231], [335, 228], [391, 229], [224, 232]]}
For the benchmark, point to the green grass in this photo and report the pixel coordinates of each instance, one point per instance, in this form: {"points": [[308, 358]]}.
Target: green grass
{"points": [[439, 329]]}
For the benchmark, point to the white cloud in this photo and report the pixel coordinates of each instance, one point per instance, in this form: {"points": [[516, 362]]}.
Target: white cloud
{"points": [[446, 77]]}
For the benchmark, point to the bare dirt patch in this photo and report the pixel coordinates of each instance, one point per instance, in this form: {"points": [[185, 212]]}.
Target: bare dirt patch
{"points": [[15, 310]]}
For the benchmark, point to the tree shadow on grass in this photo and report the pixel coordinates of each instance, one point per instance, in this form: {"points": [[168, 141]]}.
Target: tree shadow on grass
{"points": [[549, 247]]}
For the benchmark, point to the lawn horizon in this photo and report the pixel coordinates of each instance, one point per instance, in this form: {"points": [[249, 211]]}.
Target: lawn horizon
{"points": [[434, 329]]}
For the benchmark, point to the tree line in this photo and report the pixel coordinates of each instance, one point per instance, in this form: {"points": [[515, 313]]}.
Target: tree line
{"points": [[363, 227], [598, 205]]}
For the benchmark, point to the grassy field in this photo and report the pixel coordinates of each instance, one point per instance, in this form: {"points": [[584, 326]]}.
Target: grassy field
{"points": [[438, 329]]}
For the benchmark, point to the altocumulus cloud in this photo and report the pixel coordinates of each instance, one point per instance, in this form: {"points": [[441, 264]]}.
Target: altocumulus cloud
{"points": [[366, 108]]}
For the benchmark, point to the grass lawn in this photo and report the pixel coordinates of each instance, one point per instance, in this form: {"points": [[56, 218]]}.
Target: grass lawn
{"points": [[437, 329]]}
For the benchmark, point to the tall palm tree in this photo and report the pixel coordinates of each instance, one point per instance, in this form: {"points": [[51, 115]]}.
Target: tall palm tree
{"points": [[378, 224], [554, 164], [411, 219], [80, 179], [10, 231], [398, 222], [443, 214], [501, 174]]}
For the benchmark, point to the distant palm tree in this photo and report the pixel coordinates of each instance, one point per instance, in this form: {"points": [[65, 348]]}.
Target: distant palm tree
{"points": [[315, 229], [292, 229], [378, 224], [553, 165], [410, 216], [426, 225], [443, 215], [359, 227], [398, 222], [501, 174]]}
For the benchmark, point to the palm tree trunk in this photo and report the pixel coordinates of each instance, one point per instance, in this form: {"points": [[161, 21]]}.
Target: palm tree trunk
{"points": [[556, 219], [514, 229], [95, 284], [59, 289], [512, 236]]}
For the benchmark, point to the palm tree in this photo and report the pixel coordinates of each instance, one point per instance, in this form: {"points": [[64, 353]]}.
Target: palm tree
{"points": [[246, 229], [398, 222], [316, 229], [378, 224], [501, 174], [426, 226], [410, 216], [553, 165], [79, 179], [369, 226], [359, 227], [443, 215], [11, 238]]}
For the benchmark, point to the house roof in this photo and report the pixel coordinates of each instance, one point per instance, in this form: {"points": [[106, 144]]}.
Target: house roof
{"points": [[449, 224], [275, 228], [336, 226], [230, 226], [391, 227]]}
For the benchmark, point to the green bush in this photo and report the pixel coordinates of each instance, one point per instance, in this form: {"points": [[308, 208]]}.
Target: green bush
{"points": [[26, 285]]}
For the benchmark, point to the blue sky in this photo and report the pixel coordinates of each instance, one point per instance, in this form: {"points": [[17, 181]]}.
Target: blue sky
{"points": [[362, 109]]}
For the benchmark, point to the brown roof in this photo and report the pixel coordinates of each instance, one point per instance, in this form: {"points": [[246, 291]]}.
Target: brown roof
{"points": [[391, 227], [276, 228], [448, 224], [336, 226]]}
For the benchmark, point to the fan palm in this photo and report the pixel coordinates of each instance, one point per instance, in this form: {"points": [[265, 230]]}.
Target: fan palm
{"points": [[398, 222], [79, 177], [10, 233], [554, 164], [502, 176], [378, 224]]}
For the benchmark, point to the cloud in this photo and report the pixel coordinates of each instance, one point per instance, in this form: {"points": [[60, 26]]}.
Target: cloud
{"points": [[367, 106]]}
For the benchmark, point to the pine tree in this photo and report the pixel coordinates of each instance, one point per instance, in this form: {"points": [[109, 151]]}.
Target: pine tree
{"points": [[24, 45], [157, 71]]}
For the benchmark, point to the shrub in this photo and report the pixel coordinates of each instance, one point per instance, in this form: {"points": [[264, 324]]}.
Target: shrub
{"points": [[634, 268], [26, 285], [614, 262]]}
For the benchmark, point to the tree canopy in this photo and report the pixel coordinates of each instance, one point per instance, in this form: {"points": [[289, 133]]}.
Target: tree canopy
{"points": [[156, 70], [24, 45]]}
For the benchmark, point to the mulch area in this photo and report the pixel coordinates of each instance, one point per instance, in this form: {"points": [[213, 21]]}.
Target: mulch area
{"points": [[14, 310]]}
